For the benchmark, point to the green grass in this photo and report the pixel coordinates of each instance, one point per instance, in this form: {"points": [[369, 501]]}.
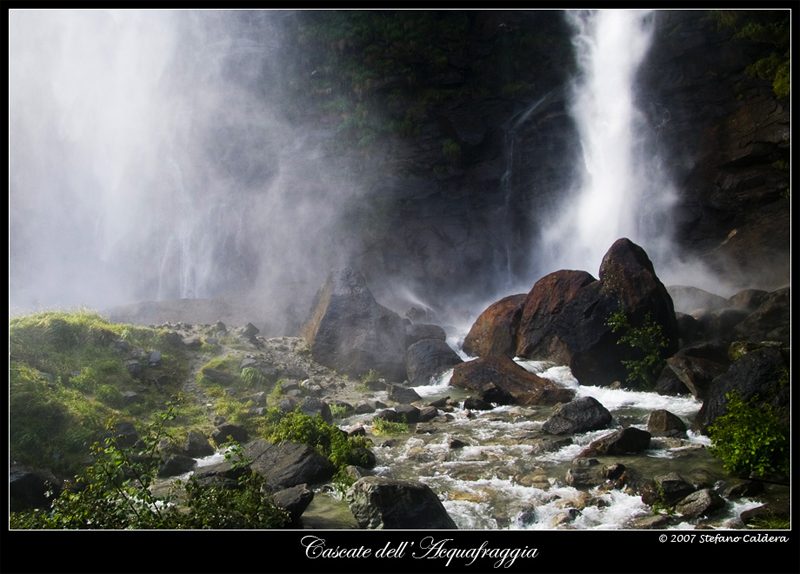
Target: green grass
{"points": [[66, 380]]}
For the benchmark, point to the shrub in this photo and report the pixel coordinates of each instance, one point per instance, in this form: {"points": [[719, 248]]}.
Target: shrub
{"points": [[385, 427], [750, 439], [114, 493], [648, 339], [328, 440]]}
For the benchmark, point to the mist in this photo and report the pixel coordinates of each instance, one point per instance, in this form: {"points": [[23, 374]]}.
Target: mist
{"points": [[151, 159]]}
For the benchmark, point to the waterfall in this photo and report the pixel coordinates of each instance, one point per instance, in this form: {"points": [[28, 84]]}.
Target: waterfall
{"points": [[618, 192]]}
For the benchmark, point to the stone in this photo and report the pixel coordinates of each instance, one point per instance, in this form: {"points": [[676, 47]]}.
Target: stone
{"points": [[294, 500], [197, 446], [427, 359], [313, 406], [627, 283], [410, 412], [770, 322], [502, 373], [403, 395], [763, 372], [417, 332], [175, 465], [476, 404], [288, 464], [385, 503], [580, 415], [624, 441], [238, 433], [663, 423], [348, 330], [495, 330], [219, 377], [700, 503], [537, 337], [28, 490], [695, 373]]}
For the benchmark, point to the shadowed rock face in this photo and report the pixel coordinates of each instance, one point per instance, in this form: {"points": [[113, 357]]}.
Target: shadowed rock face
{"points": [[350, 332], [495, 331], [500, 372], [379, 502]]}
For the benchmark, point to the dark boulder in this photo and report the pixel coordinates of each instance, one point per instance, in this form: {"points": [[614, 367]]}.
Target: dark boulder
{"points": [[628, 283], [537, 337], [525, 387], [409, 412], [476, 404], [237, 433], [219, 377], [763, 372], [175, 465], [770, 322], [697, 374], [580, 415], [667, 489], [400, 394], [378, 502], [417, 332], [312, 406], [29, 490], [495, 330], [701, 503], [624, 441], [748, 299], [197, 446], [427, 359], [663, 423], [294, 500], [350, 332], [288, 464]]}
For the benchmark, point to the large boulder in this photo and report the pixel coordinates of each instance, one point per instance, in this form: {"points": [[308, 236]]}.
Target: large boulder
{"points": [[623, 441], [537, 337], [379, 502], [350, 332], [495, 330], [288, 464], [770, 322], [580, 415], [500, 372], [628, 283], [696, 373], [429, 358], [763, 372]]}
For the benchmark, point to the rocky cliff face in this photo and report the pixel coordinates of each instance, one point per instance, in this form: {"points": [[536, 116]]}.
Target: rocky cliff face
{"points": [[458, 206]]}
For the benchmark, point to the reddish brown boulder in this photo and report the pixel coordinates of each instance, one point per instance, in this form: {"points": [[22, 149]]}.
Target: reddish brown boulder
{"points": [[495, 330], [501, 372], [537, 338]]}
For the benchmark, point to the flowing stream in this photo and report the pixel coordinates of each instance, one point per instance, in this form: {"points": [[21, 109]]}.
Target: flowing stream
{"points": [[499, 480]]}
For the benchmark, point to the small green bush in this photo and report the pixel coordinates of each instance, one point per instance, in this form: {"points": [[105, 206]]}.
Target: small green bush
{"points": [[384, 427], [647, 338], [326, 439], [750, 439], [114, 493]]}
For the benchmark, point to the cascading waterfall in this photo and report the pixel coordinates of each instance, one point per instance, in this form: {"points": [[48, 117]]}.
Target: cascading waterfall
{"points": [[619, 193]]}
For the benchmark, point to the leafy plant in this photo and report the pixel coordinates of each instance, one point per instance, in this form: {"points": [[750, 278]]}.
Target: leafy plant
{"points": [[750, 439], [327, 439], [649, 339], [251, 376], [115, 493], [385, 427]]}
